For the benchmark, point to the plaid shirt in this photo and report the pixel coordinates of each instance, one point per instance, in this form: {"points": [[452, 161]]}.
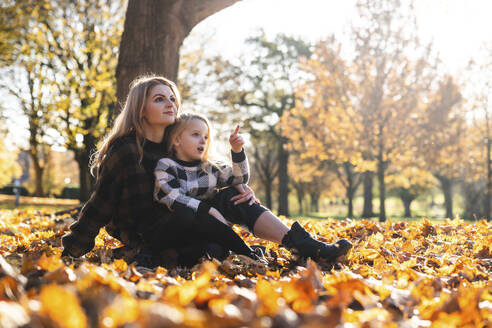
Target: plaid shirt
{"points": [[181, 184], [122, 200]]}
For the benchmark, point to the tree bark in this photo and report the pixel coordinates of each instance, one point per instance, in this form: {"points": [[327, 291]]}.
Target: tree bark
{"points": [[350, 205], [473, 195], [447, 190], [153, 34], [314, 201], [382, 188], [367, 210], [300, 198], [350, 191], [283, 180], [38, 174], [268, 194], [488, 192], [407, 200], [83, 162], [82, 157]]}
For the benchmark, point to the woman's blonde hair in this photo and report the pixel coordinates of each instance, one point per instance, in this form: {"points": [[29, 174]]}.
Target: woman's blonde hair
{"points": [[179, 126], [130, 119]]}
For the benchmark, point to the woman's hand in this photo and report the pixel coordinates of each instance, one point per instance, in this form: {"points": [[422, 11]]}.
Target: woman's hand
{"points": [[246, 194]]}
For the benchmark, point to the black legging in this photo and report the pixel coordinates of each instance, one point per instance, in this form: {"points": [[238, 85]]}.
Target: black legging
{"points": [[181, 232], [185, 232], [242, 214]]}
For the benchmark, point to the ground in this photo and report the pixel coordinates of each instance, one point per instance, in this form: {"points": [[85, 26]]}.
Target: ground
{"points": [[408, 274]]}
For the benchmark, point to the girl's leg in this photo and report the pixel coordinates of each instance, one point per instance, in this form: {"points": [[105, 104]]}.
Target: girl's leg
{"points": [[269, 227], [222, 234], [266, 225], [183, 229]]}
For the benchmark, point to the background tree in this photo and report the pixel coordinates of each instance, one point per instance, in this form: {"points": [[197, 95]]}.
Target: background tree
{"points": [[480, 89], [393, 71], [473, 177], [28, 75], [410, 183], [265, 165], [154, 31], [323, 126], [310, 180], [260, 88], [441, 138], [85, 62]]}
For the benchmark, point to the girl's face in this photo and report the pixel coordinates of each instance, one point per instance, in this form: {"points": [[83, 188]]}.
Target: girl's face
{"points": [[160, 108], [191, 144]]}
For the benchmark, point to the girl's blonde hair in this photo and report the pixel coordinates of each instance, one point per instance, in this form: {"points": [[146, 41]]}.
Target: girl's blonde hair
{"points": [[130, 119], [175, 130]]}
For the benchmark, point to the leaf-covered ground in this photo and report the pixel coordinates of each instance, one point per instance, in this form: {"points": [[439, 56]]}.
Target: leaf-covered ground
{"points": [[416, 274]]}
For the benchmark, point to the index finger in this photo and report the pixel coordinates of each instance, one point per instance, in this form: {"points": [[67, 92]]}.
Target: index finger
{"points": [[237, 129]]}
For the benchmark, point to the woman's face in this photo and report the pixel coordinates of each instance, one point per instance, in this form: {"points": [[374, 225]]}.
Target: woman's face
{"points": [[160, 109]]}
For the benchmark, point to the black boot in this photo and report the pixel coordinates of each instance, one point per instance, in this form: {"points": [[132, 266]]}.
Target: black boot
{"points": [[258, 254], [300, 241]]}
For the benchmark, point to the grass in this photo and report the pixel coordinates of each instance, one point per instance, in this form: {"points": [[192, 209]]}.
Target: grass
{"points": [[7, 202], [422, 207]]}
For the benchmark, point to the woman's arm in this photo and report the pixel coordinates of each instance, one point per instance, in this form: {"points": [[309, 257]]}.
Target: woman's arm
{"points": [[246, 195], [98, 210]]}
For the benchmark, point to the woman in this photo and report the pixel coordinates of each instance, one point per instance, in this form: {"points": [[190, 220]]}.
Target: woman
{"points": [[123, 199]]}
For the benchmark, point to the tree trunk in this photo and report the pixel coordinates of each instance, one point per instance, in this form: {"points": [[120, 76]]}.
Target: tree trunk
{"points": [[447, 190], [314, 201], [367, 210], [382, 188], [153, 34], [488, 191], [300, 198], [473, 194], [350, 205], [82, 157], [283, 180], [407, 200], [351, 187], [38, 175], [84, 183], [268, 193]]}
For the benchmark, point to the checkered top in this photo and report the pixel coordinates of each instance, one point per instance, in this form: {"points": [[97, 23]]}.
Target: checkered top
{"points": [[180, 183]]}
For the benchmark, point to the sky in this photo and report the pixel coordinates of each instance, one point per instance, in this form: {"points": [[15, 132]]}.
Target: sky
{"points": [[458, 28]]}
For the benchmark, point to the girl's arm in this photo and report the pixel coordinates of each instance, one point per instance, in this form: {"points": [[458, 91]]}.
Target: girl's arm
{"points": [[236, 174], [168, 189], [239, 173]]}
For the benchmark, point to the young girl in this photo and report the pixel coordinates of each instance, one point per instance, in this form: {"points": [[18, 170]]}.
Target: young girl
{"points": [[187, 182]]}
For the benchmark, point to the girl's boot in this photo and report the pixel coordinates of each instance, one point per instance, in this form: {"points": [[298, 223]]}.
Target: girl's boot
{"points": [[300, 241]]}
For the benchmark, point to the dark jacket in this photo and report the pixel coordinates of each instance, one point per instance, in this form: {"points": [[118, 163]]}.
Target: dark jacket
{"points": [[122, 200]]}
